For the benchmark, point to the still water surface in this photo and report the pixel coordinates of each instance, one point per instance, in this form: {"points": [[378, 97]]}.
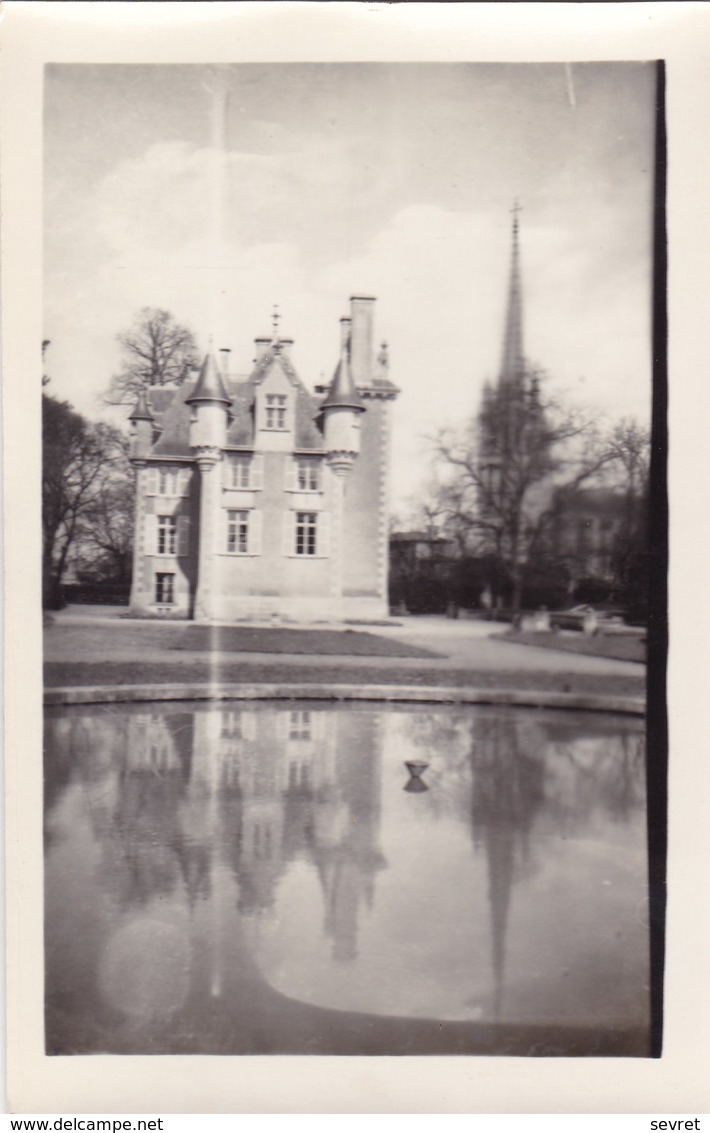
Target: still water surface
{"points": [[231, 878]]}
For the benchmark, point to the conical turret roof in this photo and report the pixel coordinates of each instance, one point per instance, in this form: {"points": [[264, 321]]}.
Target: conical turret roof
{"points": [[210, 385], [342, 393], [141, 411]]}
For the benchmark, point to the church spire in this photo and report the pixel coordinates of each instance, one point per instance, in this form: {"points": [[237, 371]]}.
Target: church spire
{"points": [[512, 364]]}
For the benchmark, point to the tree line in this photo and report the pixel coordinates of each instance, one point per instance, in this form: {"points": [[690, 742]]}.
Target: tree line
{"points": [[503, 488]]}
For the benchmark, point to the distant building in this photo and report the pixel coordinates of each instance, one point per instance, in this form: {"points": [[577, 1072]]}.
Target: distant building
{"points": [[585, 530], [257, 499], [420, 571]]}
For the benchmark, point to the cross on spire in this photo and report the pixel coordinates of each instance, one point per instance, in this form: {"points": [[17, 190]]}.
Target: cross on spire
{"points": [[516, 209], [275, 318]]}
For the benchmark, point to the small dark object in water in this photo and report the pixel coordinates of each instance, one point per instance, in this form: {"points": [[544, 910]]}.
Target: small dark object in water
{"points": [[416, 768], [415, 786]]}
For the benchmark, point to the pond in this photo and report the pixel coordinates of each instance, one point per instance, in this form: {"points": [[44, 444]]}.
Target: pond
{"points": [[267, 877]]}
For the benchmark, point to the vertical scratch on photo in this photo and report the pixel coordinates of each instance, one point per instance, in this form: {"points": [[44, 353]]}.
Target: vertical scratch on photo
{"points": [[570, 85]]}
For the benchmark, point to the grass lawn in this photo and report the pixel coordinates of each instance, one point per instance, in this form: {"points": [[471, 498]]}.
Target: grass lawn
{"points": [[619, 647], [312, 642]]}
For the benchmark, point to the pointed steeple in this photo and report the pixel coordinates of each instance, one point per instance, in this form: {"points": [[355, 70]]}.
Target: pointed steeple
{"points": [[512, 366], [209, 385]]}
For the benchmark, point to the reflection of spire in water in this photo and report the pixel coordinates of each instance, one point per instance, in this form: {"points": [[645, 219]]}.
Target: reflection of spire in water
{"points": [[507, 792], [501, 855]]}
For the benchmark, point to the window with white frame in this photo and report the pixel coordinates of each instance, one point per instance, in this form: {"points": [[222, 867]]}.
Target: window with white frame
{"points": [[167, 535], [300, 725], [167, 482], [306, 527], [308, 474], [237, 532], [240, 472], [275, 411], [231, 725], [165, 589]]}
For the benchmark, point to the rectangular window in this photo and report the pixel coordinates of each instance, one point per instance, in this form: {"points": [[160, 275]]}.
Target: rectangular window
{"points": [[167, 534], [231, 725], [308, 475], [237, 532], [167, 482], [165, 589], [240, 472], [306, 532], [276, 411], [300, 726]]}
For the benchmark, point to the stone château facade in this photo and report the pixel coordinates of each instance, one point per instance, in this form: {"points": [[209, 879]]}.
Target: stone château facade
{"points": [[258, 500]]}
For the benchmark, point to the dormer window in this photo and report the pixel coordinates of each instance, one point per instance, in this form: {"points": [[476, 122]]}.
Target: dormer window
{"points": [[275, 411]]}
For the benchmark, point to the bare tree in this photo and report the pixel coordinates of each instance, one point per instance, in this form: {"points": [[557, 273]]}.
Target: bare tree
{"points": [[157, 350], [500, 473], [73, 454], [105, 537], [630, 448], [629, 454]]}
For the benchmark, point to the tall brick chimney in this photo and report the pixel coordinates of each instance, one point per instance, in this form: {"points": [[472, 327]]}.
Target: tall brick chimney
{"points": [[361, 312], [261, 345]]}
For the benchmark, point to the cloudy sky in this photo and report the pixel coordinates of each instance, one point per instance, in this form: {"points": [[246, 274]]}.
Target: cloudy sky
{"points": [[394, 180]]}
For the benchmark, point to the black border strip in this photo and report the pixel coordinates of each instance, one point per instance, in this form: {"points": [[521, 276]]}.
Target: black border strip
{"points": [[657, 742]]}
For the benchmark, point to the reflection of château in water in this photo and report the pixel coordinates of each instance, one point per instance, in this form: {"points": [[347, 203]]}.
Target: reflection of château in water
{"points": [[211, 868], [259, 789], [208, 810]]}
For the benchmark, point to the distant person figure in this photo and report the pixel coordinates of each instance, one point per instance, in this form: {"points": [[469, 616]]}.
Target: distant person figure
{"points": [[542, 620], [486, 601]]}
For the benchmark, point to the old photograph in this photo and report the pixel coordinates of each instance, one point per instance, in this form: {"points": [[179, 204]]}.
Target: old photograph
{"points": [[346, 410]]}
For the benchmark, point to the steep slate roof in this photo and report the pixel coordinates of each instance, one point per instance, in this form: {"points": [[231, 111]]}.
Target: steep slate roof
{"points": [[173, 417], [172, 412]]}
